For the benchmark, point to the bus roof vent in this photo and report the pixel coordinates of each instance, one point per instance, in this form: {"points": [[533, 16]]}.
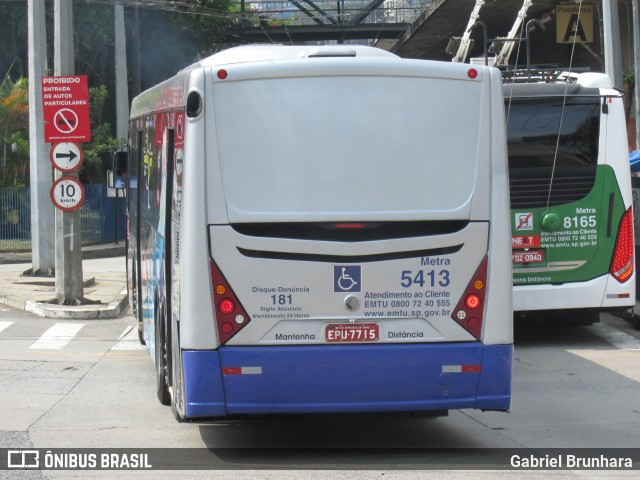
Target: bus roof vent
{"points": [[329, 52]]}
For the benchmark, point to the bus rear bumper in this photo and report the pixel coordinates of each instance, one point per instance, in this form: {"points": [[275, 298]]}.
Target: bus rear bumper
{"points": [[599, 293], [347, 378]]}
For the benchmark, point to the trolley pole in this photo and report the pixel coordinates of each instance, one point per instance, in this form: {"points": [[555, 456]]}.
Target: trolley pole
{"points": [[69, 280]]}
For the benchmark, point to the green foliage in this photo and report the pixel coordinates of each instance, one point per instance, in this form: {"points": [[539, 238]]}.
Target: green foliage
{"points": [[14, 121], [629, 78], [172, 40], [98, 154], [159, 43], [14, 136], [94, 42], [13, 38]]}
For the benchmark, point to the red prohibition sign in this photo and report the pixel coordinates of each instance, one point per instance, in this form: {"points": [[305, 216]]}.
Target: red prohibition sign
{"points": [[67, 194], [65, 120]]}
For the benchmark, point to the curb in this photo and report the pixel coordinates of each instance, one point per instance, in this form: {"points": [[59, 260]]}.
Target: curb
{"points": [[82, 312], [12, 302]]}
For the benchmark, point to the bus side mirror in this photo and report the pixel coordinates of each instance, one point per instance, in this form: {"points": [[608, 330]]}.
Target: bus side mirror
{"points": [[115, 177]]}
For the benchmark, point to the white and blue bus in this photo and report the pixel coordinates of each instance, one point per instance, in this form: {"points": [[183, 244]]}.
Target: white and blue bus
{"points": [[317, 230]]}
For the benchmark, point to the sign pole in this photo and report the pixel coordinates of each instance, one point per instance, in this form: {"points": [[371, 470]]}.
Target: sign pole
{"points": [[69, 278]]}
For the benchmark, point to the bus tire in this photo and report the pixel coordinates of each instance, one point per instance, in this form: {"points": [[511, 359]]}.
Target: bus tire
{"points": [[162, 389]]}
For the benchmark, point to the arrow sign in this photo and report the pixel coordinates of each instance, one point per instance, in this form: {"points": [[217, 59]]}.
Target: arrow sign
{"points": [[69, 156], [66, 156]]}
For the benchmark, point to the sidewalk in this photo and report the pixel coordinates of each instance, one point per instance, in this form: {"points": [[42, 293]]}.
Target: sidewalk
{"points": [[104, 274]]}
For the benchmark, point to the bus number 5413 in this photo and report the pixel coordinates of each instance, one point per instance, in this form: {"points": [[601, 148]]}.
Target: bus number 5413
{"points": [[422, 277]]}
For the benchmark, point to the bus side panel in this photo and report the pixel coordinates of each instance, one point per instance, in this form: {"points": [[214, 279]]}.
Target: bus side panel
{"points": [[494, 389], [498, 324], [362, 378], [617, 148], [196, 308], [204, 396], [618, 294]]}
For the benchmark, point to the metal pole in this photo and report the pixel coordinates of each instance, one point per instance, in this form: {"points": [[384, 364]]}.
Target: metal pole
{"points": [[612, 54], [42, 215], [116, 212], [69, 281], [528, 40]]}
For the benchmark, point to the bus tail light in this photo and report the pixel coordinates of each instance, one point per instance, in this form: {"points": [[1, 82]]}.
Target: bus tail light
{"points": [[622, 261], [231, 317], [470, 309]]}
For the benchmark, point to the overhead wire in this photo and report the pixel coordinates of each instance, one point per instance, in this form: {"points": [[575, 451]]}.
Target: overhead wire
{"points": [[564, 102]]}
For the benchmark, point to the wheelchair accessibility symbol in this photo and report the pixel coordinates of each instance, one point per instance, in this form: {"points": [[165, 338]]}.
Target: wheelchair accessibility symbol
{"points": [[347, 278]]}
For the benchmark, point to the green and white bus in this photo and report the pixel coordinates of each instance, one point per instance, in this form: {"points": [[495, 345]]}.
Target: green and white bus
{"points": [[571, 199]]}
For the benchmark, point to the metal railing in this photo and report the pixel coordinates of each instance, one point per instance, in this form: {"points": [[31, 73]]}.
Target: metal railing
{"points": [[101, 217], [333, 11]]}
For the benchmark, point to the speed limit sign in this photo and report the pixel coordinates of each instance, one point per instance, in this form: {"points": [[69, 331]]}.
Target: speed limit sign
{"points": [[67, 194]]}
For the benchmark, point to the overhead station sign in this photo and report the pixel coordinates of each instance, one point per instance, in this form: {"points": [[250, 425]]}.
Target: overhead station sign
{"points": [[574, 23], [65, 102]]}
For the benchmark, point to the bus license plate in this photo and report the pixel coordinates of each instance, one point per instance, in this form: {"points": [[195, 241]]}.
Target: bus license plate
{"points": [[352, 332], [529, 256]]}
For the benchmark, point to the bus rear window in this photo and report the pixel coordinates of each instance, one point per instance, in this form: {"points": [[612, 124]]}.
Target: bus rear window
{"points": [[367, 146], [532, 126]]}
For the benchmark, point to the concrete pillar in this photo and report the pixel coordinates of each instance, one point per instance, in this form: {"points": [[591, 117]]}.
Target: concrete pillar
{"points": [[122, 91], [42, 215], [612, 53]]}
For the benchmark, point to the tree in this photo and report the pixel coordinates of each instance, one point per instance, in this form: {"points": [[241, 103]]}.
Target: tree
{"points": [[13, 38], [171, 40], [99, 152], [14, 124], [169, 35]]}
